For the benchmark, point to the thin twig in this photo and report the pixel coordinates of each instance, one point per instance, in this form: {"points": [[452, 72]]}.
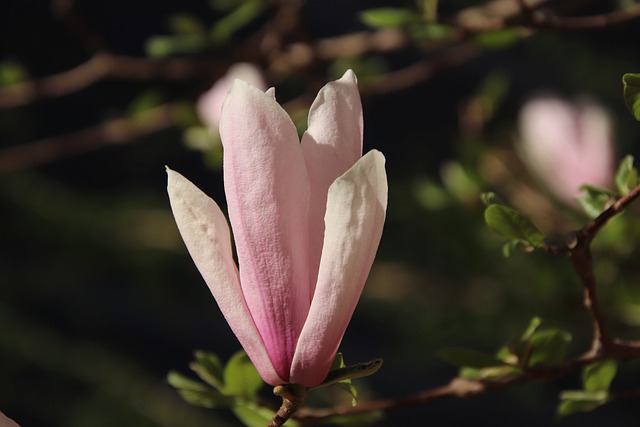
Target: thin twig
{"points": [[110, 132]]}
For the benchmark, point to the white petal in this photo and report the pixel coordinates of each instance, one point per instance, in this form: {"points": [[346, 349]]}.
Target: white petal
{"points": [[206, 234], [356, 208]]}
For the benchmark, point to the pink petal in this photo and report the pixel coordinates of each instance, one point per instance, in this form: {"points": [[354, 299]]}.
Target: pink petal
{"points": [[267, 190], [210, 102], [6, 421], [331, 145], [356, 207], [205, 232]]}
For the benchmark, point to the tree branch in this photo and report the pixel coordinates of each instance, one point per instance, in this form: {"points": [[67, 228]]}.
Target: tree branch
{"points": [[110, 132]]}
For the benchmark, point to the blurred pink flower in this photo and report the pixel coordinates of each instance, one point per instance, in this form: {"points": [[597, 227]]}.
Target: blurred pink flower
{"points": [[567, 145], [6, 421], [307, 219], [209, 104]]}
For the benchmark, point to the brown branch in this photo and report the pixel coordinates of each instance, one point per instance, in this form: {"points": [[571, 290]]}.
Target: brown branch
{"points": [[102, 66], [111, 132], [554, 22], [461, 387], [603, 347]]}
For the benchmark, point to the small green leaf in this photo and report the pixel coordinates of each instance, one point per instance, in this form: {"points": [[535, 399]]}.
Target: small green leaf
{"points": [[573, 401], [490, 198], [253, 415], [594, 199], [209, 368], [186, 24], [489, 374], [548, 346], [179, 381], [497, 39], [197, 393], [11, 72], [531, 328], [510, 224], [387, 17], [598, 376], [351, 372], [631, 91], [242, 15], [163, 46], [144, 102], [469, 358], [240, 377], [626, 176], [349, 388], [355, 420]]}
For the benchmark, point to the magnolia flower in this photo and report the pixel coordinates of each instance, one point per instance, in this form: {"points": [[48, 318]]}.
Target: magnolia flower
{"points": [[6, 421], [209, 104], [307, 219], [567, 145]]}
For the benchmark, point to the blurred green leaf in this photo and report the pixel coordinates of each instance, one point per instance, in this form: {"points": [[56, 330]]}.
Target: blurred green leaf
{"points": [[594, 200], [11, 72], [197, 393], [355, 420], [467, 357], [548, 346], [510, 224], [491, 373], [209, 368], [429, 31], [144, 101], [240, 377], [387, 17], [580, 401], [185, 24], [497, 39], [179, 381], [242, 15], [631, 91], [429, 9], [626, 176], [491, 198], [531, 329], [253, 415], [598, 376], [164, 46], [350, 389]]}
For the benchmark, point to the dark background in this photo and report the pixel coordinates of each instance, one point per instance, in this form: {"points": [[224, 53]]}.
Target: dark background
{"points": [[99, 298]]}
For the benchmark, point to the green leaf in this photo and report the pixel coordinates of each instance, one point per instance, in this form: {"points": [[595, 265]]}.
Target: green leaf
{"points": [[11, 72], [626, 176], [186, 24], [598, 376], [490, 198], [179, 381], [548, 346], [350, 389], [163, 46], [144, 102], [594, 199], [469, 358], [253, 415], [531, 329], [209, 368], [497, 39], [573, 401], [489, 374], [631, 91], [385, 17], [356, 420], [196, 393], [242, 15], [510, 224], [240, 377]]}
